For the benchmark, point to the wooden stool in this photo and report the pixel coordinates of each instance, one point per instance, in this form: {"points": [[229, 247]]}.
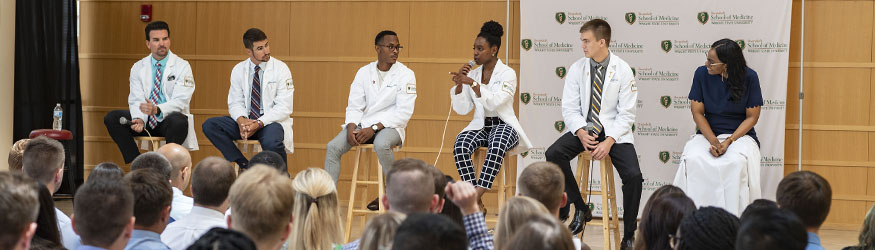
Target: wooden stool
{"points": [[610, 222], [143, 142], [363, 211], [244, 146], [499, 185]]}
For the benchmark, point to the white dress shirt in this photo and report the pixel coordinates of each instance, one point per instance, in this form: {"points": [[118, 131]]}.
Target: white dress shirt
{"points": [[65, 226], [181, 205], [182, 233]]}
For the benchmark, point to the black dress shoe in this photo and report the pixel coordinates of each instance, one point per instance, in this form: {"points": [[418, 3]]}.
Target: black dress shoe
{"points": [[587, 214], [582, 215], [374, 205], [627, 243], [563, 212]]}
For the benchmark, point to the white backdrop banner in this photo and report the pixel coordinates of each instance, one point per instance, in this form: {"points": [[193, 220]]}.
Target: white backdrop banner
{"points": [[664, 42]]}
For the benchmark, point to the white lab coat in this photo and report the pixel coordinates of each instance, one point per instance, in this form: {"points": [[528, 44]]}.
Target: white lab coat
{"points": [[276, 95], [390, 103], [497, 96], [178, 86], [619, 97]]}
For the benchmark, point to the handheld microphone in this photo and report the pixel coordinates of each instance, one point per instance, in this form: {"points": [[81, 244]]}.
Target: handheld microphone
{"points": [[472, 63], [124, 121], [590, 128]]}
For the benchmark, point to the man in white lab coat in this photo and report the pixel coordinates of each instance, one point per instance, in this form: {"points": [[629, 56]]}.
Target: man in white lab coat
{"points": [[161, 87], [598, 105], [381, 100], [259, 102]]}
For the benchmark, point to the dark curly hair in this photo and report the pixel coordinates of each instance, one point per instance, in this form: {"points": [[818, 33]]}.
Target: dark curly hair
{"points": [[492, 32], [730, 54], [708, 228]]}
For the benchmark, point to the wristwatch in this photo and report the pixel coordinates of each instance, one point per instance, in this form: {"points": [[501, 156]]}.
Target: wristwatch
{"points": [[475, 84], [375, 127]]}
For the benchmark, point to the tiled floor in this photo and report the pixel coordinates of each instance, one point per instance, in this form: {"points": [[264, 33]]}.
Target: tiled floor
{"points": [[831, 239]]}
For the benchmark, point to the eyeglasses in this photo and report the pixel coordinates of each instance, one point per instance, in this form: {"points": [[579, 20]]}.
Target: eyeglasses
{"points": [[392, 47], [709, 63], [673, 241]]}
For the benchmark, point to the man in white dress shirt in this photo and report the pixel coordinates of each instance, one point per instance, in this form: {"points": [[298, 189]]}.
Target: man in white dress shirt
{"points": [[180, 163], [212, 179], [43, 160]]}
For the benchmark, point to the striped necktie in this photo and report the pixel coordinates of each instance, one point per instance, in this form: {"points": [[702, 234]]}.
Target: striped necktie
{"points": [[255, 97], [596, 99], [153, 97]]}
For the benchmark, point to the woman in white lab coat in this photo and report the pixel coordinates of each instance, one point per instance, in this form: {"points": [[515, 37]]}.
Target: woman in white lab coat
{"points": [[489, 91]]}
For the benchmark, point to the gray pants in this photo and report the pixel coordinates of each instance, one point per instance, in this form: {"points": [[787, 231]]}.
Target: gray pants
{"points": [[384, 140]]}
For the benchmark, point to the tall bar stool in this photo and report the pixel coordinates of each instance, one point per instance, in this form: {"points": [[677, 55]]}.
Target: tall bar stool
{"points": [[149, 143], [610, 222], [245, 146], [499, 186], [362, 211]]}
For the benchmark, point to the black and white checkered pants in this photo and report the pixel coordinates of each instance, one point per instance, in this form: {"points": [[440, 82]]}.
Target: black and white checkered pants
{"points": [[497, 136]]}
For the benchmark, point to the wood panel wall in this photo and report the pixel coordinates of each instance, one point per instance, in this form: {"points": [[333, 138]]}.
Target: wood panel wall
{"points": [[326, 41]]}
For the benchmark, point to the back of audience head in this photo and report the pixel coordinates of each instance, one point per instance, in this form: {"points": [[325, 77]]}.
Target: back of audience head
{"points": [[152, 196], [19, 201], [316, 206], [43, 160], [270, 159], [440, 185], [544, 182], [808, 195], [223, 239], [180, 163], [104, 213], [663, 219], [15, 155], [706, 228], [154, 161], [661, 191], [514, 215], [107, 170], [450, 209], [771, 228], [211, 182], [410, 187], [262, 201], [757, 204], [380, 231], [867, 233], [426, 231], [47, 221], [541, 231]]}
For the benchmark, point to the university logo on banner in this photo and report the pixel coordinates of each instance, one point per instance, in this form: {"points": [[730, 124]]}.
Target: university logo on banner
{"points": [[634, 73], [741, 43], [702, 17], [524, 154], [560, 72], [665, 101], [560, 17], [665, 45], [664, 156], [631, 17], [527, 44], [525, 98], [559, 126]]}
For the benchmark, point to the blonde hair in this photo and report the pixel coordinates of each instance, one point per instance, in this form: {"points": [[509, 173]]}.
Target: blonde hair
{"points": [[15, 154], [514, 215], [317, 224], [262, 202], [541, 231], [380, 231]]}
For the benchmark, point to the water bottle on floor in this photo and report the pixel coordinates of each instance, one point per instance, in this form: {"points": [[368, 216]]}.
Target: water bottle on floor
{"points": [[58, 114]]}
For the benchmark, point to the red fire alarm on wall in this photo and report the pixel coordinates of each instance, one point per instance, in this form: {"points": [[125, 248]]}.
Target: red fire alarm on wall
{"points": [[146, 12]]}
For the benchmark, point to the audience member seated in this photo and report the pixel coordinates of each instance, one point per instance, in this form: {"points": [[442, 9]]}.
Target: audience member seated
{"points": [[513, 216], [465, 195], [47, 235], [545, 182], [543, 232], [271, 159], [107, 170], [15, 154], [210, 184], [450, 209], [770, 228], [809, 196], [317, 211], [380, 231], [19, 203], [223, 239], [757, 205], [661, 219], [43, 160], [440, 185], [152, 199], [180, 172], [154, 161], [710, 228], [867, 234], [104, 214], [426, 231], [262, 201]]}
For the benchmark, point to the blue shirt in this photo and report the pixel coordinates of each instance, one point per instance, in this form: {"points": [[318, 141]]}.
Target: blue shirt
{"points": [[813, 242], [142, 239], [161, 97], [724, 116]]}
